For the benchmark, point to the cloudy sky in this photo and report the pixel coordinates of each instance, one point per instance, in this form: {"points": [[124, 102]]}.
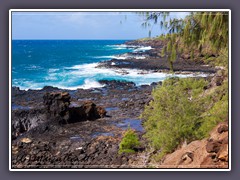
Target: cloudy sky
{"points": [[81, 25]]}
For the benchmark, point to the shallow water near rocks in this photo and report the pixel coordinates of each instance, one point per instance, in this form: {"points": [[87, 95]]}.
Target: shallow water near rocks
{"points": [[76, 138], [125, 99], [96, 134], [135, 124], [111, 108], [16, 107]]}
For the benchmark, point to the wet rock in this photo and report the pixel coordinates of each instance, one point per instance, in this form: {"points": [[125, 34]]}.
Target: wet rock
{"points": [[117, 84]]}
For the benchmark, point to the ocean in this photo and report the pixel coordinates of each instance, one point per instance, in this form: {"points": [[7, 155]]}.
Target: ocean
{"points": [[71, 64]]}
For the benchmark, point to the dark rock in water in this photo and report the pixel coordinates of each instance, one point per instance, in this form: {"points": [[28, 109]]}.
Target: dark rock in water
{"points": [[88, 111], [117, 83], [156, 83], [57, 110], [57, 105], [49, 88]]}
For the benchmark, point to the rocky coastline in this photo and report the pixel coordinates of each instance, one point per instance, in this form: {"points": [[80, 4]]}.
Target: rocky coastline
{"points": [[56, 128], [151, 60], [60, 128]]}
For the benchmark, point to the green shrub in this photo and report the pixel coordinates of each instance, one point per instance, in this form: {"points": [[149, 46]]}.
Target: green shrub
{"points": [[216, 113], [182, 112], [129, 142]]}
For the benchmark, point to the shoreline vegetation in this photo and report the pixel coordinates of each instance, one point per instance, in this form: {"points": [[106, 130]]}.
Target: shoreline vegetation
{"points": [[177, 123]]}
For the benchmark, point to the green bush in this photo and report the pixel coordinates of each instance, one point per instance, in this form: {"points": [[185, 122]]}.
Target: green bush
{"points": [[178, 113], [129, 142], [216, 113]]}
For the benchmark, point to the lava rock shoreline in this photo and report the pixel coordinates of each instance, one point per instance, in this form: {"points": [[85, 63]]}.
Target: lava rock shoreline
{"points": [[40, 141], [151, 60]]}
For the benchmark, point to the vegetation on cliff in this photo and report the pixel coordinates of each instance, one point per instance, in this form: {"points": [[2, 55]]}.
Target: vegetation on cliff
{"points": [[184, 110], [204, 33]]}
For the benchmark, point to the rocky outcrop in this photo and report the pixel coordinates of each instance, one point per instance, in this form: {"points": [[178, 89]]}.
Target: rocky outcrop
{"points": [[24, 120], [153, 60], [58, 109], [116, 84], [79, 143], [57, 106], [206, 153], [87, 111]]}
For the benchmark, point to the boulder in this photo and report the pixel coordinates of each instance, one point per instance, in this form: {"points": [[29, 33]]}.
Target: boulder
{"points": [[222, 128], [57, 105], [58, 108], [213, 146], [223, 153]]}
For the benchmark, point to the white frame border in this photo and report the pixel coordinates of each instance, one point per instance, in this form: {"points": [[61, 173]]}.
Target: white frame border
{"points": [[115, 10]]}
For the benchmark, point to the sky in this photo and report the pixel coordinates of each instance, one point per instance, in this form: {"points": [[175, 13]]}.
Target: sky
{"points": [[82, 25]]}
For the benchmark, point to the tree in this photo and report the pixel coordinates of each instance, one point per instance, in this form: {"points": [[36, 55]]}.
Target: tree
{"points": [[197, 30], [173, 116], [163, 51]]}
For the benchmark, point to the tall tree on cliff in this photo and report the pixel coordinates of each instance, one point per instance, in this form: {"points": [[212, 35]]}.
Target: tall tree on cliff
{"points": [[197, 31]]}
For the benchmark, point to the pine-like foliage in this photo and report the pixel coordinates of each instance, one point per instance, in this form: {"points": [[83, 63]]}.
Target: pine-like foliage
{"points": [[183, 111], [204, 28], [129, 142], [198, 30], [174, 114], [163, 51]]}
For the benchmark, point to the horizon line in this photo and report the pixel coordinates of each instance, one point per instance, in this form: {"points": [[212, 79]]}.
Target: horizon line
{"points": [[75, 39]]}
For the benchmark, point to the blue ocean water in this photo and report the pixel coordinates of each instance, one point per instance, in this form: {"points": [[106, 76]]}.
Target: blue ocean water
{"points": [[70, 64]]}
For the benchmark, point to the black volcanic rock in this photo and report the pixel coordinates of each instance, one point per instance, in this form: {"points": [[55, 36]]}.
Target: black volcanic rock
{"points": [[25, 120], [57, 106], [58, 109]]}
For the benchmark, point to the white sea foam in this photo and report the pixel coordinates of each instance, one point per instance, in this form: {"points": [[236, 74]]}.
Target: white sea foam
{"points": [[122, 46], [33, 67], [86, 76], [90, 83], [111, 57], [53, 70], [143, 48]]}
